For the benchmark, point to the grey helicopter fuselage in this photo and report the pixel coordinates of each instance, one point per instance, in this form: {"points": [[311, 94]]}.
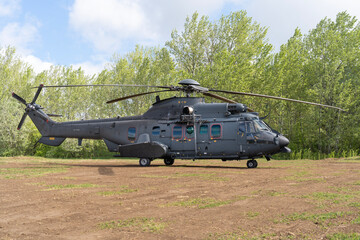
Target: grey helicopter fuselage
{"points": [[173, 128]]}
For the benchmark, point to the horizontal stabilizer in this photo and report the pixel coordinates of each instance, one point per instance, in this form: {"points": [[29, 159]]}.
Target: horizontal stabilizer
{"points": [[146, 150], [52, 141]]}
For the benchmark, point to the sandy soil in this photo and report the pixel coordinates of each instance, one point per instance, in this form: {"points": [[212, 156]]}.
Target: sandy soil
{"points": [[117, 199]]}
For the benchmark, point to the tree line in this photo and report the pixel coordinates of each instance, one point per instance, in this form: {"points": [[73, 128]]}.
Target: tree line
{"points": [[230, 53]]}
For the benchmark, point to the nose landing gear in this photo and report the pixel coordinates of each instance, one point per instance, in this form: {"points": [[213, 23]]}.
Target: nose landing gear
{"points": [[252, 163]]}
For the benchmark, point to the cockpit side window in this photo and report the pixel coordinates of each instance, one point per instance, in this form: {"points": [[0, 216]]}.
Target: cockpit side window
{"points": [[242, 128], [250, 127], [260, 126]]}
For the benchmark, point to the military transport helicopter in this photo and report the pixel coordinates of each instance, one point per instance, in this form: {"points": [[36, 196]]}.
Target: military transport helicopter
{"points": [[173, 128]]}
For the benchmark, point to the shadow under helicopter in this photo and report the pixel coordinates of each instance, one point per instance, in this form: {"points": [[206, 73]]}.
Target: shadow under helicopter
{"points": [[108, 169]]}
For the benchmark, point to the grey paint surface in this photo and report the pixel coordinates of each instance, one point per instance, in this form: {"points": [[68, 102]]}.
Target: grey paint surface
{"points": [[155, 129]]}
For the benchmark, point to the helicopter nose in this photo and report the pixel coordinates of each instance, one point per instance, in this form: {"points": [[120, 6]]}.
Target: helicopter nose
{"points": [[283, 141]]}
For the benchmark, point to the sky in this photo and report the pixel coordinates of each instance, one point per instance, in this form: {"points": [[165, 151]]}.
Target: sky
{"points": [[87, 33]]}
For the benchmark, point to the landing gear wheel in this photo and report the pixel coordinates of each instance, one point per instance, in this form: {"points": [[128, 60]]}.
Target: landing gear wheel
{"points": [[251, 164], [144, 162], [169, 161]]}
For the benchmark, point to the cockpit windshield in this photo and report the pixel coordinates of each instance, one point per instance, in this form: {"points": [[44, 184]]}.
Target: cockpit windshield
{"points": [[261, 126]]}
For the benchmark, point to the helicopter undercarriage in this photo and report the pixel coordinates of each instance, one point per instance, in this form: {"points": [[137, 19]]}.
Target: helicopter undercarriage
{"points": [[144, 162]]}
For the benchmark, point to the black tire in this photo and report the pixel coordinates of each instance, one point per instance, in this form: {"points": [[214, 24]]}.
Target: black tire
{"points": [[144, 162], [169, 161], [251, 164], [256, 163]]}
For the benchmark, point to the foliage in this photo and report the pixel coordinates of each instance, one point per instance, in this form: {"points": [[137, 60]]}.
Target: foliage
{"points": [[230, 53]]}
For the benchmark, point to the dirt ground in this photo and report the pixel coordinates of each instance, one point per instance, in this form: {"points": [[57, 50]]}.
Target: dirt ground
{"points": [[117, 199]]}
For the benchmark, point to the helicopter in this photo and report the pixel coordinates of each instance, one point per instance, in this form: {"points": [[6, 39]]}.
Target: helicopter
{"points": [[173, 128]]}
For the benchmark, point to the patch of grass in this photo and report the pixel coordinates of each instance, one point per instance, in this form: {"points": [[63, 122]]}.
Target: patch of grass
{"points": [[200, 203], [206, 176], [304, 176], [154, 176], [36, 184], [68, 178], [344, 236], [239, 198], [271, 193], [225, 236], [319, 218], [355, 204], [327, 196], [240, 235], [356, 183], [356, 221], [123, 190], [140, 223], [71, 186], [26, 172], [252, 214]]}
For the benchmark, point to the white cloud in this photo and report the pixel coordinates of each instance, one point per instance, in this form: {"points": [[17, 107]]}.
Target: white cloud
{"points": [[110, 24], [23, 37], [106, 23], [36, 63], [90, 68], [19, 36], [9, 7], [283, 16]]}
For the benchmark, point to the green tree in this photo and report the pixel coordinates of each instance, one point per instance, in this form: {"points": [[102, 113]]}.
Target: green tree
{"points": [[15, 76]]}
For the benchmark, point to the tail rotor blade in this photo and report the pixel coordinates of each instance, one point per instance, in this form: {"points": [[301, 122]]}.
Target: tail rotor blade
{"points": [[22, 120], [37, 93], [20, 99]]}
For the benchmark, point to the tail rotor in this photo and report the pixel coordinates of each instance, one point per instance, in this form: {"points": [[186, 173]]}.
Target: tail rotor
{"points": [[29, 106]]}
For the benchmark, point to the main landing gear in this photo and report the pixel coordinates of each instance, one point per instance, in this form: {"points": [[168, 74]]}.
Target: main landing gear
{"points": [[252, 163], [169, 161], [144, 162]]}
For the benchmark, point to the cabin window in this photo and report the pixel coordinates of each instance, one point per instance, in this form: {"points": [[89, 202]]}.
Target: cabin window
{"points": [[216, 131], [131, 133], [177, 132], [204, 129], [156, 131], [189, 133]]}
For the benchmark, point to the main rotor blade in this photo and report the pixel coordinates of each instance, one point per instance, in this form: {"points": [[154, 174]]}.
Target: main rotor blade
{"points": [[218, 97], [22, 120], [20, 99], [37, 93], [278, 98], [53, 115], [224, 99], [135, 95], [106, 85], [198, 88]]}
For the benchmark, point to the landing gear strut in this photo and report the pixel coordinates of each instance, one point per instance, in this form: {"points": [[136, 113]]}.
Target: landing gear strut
{"points": [[252, 163]]}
